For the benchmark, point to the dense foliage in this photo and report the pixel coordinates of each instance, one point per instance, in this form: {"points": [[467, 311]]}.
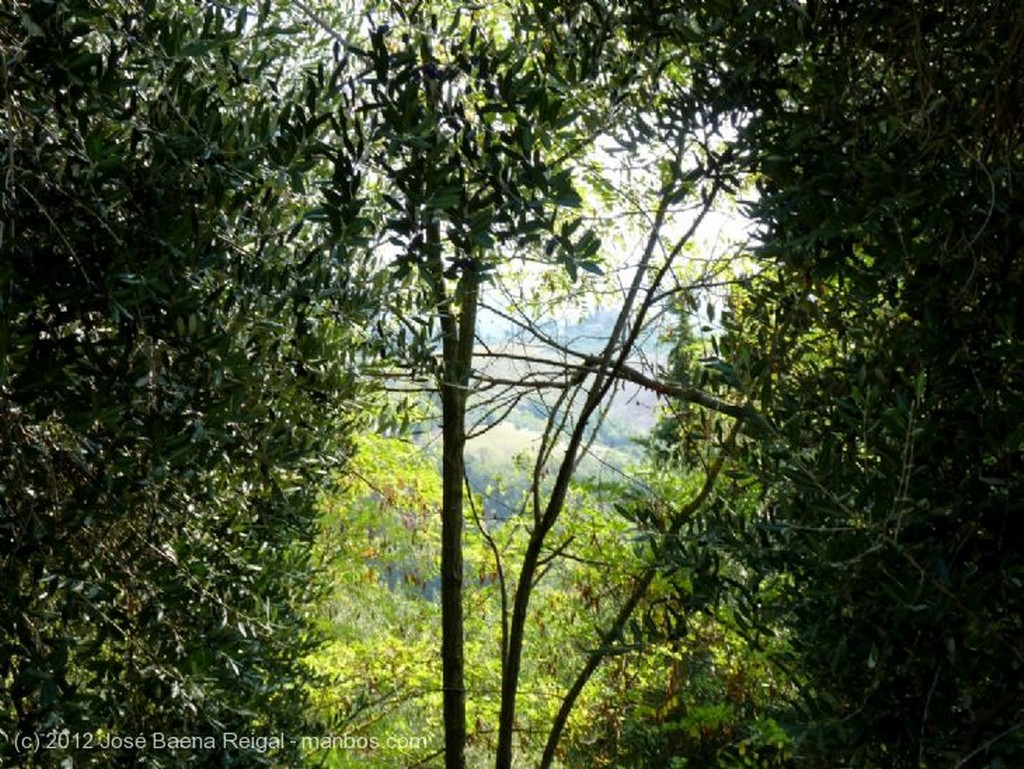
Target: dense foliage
{"points": [[220, 226], [881, 340], [168, 384]]}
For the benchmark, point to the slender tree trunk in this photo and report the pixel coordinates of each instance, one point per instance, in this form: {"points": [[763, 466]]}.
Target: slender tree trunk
{"points": [[514, 652], [453, 405], [458, 333], [512, 660], [614, 632], [606, 368], [457, 315]]}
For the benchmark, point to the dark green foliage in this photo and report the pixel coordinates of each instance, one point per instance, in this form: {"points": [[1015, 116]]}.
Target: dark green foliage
{"points": [[883, 341], [683, 430], [174, 324], [169, 383]]}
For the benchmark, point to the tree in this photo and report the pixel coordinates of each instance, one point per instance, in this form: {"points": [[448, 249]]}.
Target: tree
{"points": [[461, 139], [171, 384], [473, 134], [883, 325], [878, 336]]}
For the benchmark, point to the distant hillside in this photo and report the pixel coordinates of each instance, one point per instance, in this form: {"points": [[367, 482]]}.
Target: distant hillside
{"points": [[501, 457], [491, 457], [588, 334], [632, 411]]}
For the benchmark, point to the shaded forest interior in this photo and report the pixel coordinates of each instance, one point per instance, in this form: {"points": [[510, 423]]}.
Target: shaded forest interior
{"points": [[530, 383]]}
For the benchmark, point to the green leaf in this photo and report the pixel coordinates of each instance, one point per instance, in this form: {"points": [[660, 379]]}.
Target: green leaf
{"points": [[446, 198]]}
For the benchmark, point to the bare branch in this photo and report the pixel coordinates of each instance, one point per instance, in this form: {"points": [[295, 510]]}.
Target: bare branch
{"points": [[493, 547], [643, 583]]}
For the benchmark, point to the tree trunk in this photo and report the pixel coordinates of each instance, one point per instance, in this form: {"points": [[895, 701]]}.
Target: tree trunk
{"points": [[453, 402], [458, 334], [514, 652]]}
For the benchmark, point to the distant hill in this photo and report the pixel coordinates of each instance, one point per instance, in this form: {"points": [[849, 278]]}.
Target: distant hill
{"points": [[491, 457], [502, 456]]}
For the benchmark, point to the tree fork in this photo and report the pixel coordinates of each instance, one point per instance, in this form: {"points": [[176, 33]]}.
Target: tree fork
{"points": [[618, 626], [605, 368]]}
